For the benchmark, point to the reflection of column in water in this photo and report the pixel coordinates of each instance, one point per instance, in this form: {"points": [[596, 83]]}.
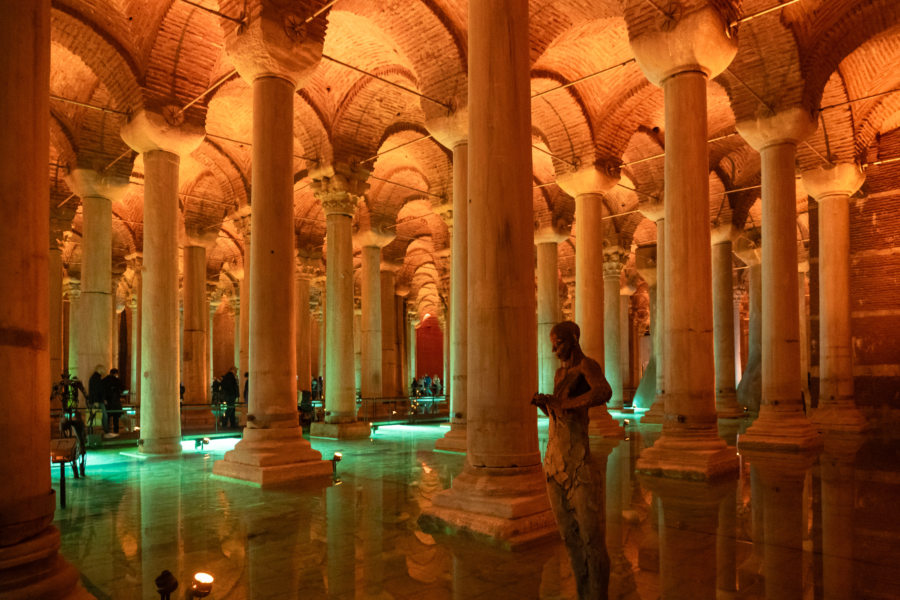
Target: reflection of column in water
{"points": [[687, 534], [726, 549], [340, 507], [648, 552], [161, 516], [618, 494], [838, 493], [750, 571], [371, 530]]}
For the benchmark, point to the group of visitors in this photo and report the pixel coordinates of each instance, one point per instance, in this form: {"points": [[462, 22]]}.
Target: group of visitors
{"points": [[226, 390], [427, 387], [317, 388], [104, 393]]}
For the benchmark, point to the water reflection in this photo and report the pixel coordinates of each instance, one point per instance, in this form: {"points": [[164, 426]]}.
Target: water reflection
{"points": [[789, 527]]}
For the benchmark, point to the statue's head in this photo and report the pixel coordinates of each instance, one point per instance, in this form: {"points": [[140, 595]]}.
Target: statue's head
{"points": [[564, 339]]}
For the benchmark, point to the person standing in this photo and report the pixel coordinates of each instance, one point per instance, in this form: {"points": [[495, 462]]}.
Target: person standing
{"points": [[574, 489], [426, 384], [112, 401], [247, 388], [95, 397], [231, 392]]}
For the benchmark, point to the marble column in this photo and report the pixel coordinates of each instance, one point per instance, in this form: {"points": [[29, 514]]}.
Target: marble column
{"points": [[55, 271], [371, 241], [645, 263], [357, 345], [194, 374], [412, 321], [161, 146], [274, 63], [135, 263], [235, 302], [307, 268], [452, 132], [73, 294], [587, 186], [30, 565], [547, 241], [832, 188], [781, 423], [213, 304], [242, 221], [723, 322], [501, 491], [390, 373], [402, 339], [656, 258], [629, 352], [737, 298], [681, 57], [614, 259], [803, 310], [749, 391], [339, 189], [97, 193]]}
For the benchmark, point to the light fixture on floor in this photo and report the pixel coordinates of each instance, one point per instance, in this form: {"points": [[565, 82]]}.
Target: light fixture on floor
{"points": [[166, 584], [200, 443], [334, 461], [374, 427], [202, 585]]}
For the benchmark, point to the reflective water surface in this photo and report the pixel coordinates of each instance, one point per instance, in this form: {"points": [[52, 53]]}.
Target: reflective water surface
{"points": [[829, 531]]}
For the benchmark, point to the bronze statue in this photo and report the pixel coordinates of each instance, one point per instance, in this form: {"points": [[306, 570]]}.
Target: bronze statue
{"points": [[575, 490]]}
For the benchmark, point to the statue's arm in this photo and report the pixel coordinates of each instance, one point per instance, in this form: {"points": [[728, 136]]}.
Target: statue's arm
{"points": [[599, 393]]}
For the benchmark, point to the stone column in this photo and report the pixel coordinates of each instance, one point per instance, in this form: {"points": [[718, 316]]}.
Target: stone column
{"points": [[501, 491], [275, 63], [453, 133], [389, 368], [588, 186], [738, 295], [161, 144], [236, 309], [627, 366], [832, 188], [656, 258], [307, 268], [723, 322], [412, 321], [97, 193], [645, 262], [680, 57], [749, 392], [30, 566], [357, 345], [614, 259], [371, 241], [135, 263], [802, 273], [839, 493], [194, 373], [242, 222], [781, 423], [73, 294], [339, 189], [546, 241], [403, 341], [56, 300], [215, 301]]}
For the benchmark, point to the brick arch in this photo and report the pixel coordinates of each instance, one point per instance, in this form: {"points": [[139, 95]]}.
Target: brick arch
{"points": [[62, 140], [204, 199], [634, 107], [428, 156], [113, 65], [234, 179], [309, 219], [562, 118], [832, 32], [185, 51], [310, 129]]}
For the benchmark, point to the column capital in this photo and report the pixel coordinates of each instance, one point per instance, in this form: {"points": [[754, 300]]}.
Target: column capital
{"points": [[389, 266], [803, 266], [652, 209], [72, 288], [448, 130], [682, 40], [165, 129], [373, 236], [87, 183], [788, 126], [309, 264], [235, 303], [614, 260], [840, 180], [596, 179], [445, 211], [276, 39], [645, 263], [339, 188], [357, 306], [402, 289], [551, 234], [748, 250], [723, 234], [205, 238]]}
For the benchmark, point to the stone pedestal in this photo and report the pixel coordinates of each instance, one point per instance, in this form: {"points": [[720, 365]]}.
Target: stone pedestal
{"points": [[30, 566], [500, 496], [781, 423], [681, 57], [832, 188]]}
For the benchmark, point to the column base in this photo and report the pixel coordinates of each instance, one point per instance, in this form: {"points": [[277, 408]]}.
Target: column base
{"points": [[198, 420], [603, 425], [697, 457], [33, 569], [843, 417], [657, 413], [170, 446], [780, 431], [273, 456], [454, 440], [727, 406], [355, 430], [504, 507]]}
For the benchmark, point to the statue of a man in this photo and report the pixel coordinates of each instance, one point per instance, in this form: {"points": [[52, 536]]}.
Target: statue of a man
{"points": [[575, 490]]}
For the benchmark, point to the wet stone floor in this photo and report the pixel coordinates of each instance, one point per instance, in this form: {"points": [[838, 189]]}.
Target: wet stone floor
{"points": [[357, 537]]}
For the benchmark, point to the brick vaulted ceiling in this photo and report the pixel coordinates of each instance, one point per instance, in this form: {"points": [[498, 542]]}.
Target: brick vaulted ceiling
{"points": [[124, 55]]}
